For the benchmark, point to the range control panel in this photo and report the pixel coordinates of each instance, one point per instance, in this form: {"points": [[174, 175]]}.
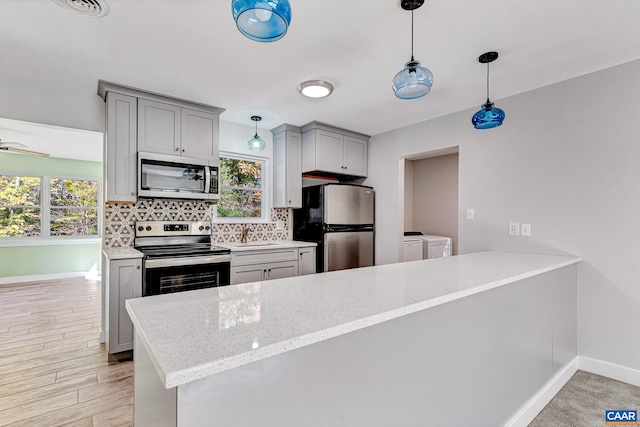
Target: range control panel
{"points": [[172, 228]]}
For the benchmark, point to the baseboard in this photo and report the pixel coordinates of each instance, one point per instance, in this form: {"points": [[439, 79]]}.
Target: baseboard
{"points": [[92, 275], [609, 370], [538, 401]]}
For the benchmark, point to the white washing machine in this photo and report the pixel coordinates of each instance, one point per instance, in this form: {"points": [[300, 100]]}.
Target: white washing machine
{"points": [[412, 249], [432, 246]]}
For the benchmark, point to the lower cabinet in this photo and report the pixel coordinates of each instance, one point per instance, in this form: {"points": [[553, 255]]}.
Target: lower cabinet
{"points": [[123, 280], [260, 272], [307, 261], [260, 265]]}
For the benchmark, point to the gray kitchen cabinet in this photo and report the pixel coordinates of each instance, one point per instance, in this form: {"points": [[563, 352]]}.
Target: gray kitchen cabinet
{"points": [[307, 261], [247, 273], [170, 129], [167, 125], [263, 264], [330, 150], [120, 148], [123, 280], [199, 135], [287, 166], [158, 127], [260, 272]]}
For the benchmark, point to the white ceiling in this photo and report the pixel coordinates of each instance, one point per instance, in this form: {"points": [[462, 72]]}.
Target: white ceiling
{"points": [[52, 59]]}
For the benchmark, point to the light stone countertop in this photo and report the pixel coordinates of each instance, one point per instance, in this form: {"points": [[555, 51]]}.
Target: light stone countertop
{"points": [[265, 245], [192, 335], [122, 253]]}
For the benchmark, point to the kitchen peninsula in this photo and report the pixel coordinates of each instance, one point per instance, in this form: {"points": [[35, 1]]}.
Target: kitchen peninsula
{"points": [[464, 340]]}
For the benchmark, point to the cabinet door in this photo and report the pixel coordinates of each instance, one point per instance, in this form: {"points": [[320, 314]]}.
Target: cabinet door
{"points": [[280, 270], [355, 156], [248, 273], [294, 170], [125, 281], [307, 261], [158, 127], [121, 148], [199, 137], [287, 166], [329, 151]]}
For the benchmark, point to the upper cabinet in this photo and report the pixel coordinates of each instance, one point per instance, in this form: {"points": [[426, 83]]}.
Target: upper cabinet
{"points": [[144, 121], [170, 129], [287, 166], [158, 127], [333, 151], [120, 148]]}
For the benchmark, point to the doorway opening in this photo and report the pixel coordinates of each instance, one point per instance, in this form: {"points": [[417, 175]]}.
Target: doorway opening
{"points": [[431, 195]]}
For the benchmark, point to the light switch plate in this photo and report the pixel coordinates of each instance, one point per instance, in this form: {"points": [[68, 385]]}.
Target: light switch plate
{"points": [[525, 229], [471, 214], [279, 225]]}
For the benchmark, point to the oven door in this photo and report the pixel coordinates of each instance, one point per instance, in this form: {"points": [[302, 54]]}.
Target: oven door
{"points": [[163, 276]]}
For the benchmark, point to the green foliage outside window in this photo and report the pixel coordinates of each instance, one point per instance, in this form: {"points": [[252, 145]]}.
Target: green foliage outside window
{"points": [[72, 207], [19, 206], [240, 189], [77, 214]]}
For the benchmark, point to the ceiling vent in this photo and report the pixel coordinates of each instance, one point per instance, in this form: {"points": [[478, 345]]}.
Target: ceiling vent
{"points": [[91, 8]]}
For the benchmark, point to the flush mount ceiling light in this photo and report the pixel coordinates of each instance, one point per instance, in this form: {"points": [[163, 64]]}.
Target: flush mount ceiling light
{"points": [[413, 81], [90, 8], [315, 88], [262, 20], [489, 116], [256, 143]]}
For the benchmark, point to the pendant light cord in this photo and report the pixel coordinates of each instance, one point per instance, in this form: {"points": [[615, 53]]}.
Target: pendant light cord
{"points": [[412, 35], [487, 82]]}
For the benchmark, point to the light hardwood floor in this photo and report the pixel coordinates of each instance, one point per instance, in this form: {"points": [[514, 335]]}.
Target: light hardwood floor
{"points": [[53, 370]]}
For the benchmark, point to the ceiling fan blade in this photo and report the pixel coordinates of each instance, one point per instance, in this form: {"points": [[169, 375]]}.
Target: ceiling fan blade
{"points": [[21, 151], [11, 144]]}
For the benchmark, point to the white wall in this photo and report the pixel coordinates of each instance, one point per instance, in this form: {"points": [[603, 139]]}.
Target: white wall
{"points": [[408, 195], [435, 196], [234, 137], [567, 161]]}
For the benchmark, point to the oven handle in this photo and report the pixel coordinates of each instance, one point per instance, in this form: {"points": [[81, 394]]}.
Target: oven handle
{"points": [[176, 262]]}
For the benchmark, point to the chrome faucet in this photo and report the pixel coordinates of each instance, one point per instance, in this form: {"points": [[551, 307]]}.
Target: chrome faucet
{"points": [[245, 233]]}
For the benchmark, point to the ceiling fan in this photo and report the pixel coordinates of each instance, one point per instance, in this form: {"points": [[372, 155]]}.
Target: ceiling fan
{"points": [[16, 147]]}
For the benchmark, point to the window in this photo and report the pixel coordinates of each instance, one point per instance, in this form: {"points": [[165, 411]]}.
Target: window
{"points": [[241, 188], [73, 207], [20, 209], [48, 207]]}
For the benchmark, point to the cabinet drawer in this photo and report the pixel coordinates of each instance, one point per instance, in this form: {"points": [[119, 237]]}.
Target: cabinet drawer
{"points": [[258, 257]]}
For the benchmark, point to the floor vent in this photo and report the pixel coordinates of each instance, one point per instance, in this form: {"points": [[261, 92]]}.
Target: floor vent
{"points": [[91, 8]]}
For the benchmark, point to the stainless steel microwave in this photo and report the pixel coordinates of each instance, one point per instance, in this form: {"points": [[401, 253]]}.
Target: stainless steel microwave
{"points": [[162, 176]]}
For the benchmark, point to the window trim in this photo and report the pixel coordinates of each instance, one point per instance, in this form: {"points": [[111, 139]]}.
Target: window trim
{"points": [[45, 237], [266, 191]]}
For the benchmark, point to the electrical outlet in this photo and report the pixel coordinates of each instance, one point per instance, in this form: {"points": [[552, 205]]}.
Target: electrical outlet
{"points": [[525, 229], [514, 229], [471, 214]]}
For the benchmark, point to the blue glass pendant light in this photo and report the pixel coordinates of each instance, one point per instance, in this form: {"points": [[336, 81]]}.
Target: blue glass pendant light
{"points": [[413, 81], [256, 143], [489, 116], [262, 20]]}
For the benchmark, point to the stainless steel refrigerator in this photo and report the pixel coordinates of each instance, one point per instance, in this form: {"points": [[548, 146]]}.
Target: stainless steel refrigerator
{"points": [[340, 219]]}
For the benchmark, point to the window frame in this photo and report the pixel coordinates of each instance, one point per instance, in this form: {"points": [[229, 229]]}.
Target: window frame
{"points": [[46, 238], [265, 190]]}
